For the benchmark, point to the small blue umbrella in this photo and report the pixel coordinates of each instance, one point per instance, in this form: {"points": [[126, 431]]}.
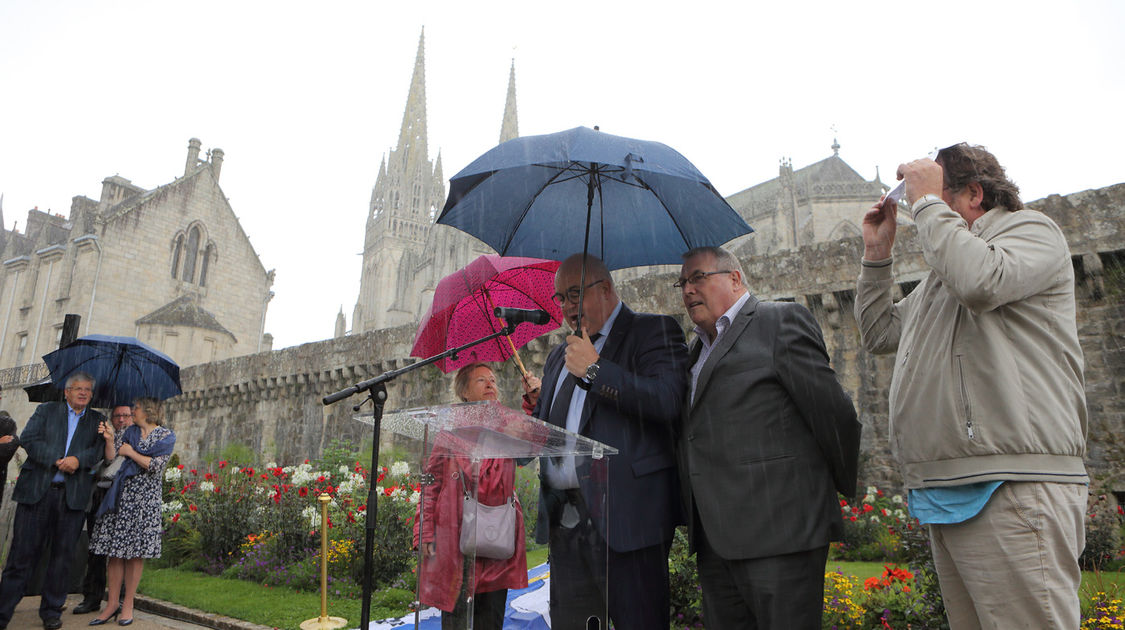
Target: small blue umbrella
{"points": [[640, 202], [123, 369]]}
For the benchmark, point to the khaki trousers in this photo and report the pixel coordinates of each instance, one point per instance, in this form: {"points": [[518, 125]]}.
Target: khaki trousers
{"points": [[1014, 565]]}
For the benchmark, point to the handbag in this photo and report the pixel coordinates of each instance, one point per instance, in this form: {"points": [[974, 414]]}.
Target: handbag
{"points": [[487, 531]]}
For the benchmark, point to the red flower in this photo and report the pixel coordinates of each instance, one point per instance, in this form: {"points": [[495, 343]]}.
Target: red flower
{"points": [[843, 503], [852, 518], [872, 584], [265, 476], [208, 476], [192, 508], [388, 490], [222, 464], [175, 517], [181, 467], [321, 479], [304, 492], [194, 471], [867, 508], [1120, 510]]}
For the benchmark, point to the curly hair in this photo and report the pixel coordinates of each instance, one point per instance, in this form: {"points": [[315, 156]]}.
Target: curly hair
{"points": [[967, 163], [153, 408]]}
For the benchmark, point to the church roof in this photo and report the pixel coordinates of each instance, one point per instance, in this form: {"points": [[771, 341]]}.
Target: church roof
{"points": [[827, 179], [183, 311]]}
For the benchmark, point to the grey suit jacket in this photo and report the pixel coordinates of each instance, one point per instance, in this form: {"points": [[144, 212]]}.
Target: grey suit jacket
{"points": [[769, 437]]}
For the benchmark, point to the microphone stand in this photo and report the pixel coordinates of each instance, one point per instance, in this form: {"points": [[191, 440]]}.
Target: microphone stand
{"points": [[376, 389]]}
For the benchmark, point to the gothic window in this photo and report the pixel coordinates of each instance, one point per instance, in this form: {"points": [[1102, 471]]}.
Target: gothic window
{"points": [[397, 204], [177, 253], [192, 254], [208, 257], [21, 347], [416, 203]]}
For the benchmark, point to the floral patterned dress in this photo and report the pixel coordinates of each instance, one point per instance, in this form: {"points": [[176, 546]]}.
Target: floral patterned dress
{"points": [[133, 531]]}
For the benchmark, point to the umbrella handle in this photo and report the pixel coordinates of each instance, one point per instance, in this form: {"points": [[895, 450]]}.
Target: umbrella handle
{"points": [[511, 344]]}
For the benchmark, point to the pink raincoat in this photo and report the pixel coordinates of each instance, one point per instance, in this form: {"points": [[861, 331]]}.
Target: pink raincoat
{"points": [[441, 575]]}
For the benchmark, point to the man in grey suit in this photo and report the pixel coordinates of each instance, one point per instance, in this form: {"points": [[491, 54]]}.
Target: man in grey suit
{"points": [[768, 437], [63, 448]]}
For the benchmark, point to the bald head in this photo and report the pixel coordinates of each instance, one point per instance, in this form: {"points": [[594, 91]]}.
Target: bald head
{"points": [[600, 297]]}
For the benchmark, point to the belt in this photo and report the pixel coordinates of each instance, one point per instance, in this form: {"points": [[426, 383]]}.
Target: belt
{"points": [[58, 485]]}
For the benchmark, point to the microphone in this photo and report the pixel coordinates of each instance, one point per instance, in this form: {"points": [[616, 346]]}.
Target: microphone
{"points": [[516, 315]]}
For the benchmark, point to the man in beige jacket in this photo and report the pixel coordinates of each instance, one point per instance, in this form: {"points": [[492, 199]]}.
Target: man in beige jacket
{"points": [[987, 403]]}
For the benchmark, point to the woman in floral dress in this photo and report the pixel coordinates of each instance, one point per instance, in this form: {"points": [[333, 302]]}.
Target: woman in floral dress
{"points": [[129, 522]]}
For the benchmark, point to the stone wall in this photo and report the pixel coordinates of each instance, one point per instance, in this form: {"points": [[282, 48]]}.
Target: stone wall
{"points": [[271, 401]]}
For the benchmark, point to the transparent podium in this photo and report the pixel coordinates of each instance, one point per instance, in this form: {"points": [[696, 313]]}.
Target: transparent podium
{"points": [[470, 522]]}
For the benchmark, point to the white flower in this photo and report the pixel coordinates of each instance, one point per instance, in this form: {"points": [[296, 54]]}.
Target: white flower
{"points": [[271, 465], [897, 499], [870, 498], [312, 515], [415, 497], [874, 518], [173, 474], [172, 506], [899, 514], [400, 469], [206, 486], [398, 492], [344, 469]]}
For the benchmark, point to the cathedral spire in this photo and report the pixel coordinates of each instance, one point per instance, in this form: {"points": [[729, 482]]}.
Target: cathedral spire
{"points": [[510, 127], [412, 140]]}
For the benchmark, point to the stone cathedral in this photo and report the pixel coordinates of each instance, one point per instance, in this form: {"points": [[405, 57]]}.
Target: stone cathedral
{"points": [[405, 253]]}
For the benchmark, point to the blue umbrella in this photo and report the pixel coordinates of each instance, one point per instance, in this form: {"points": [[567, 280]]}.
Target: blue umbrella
{"points": [[124, 369], [641, 203]]}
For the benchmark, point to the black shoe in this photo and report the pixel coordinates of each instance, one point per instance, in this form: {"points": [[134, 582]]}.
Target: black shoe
{"points": [[96, 621], [53, 623], [87, 606]]}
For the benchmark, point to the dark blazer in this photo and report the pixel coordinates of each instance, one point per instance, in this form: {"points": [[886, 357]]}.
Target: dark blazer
{"points": [[770, 437], [632, 406], [44, 439]]}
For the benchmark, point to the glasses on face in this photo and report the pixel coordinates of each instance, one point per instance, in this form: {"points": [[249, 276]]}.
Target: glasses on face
{"points": [[571, 294], [696, 278], [122, 415]]}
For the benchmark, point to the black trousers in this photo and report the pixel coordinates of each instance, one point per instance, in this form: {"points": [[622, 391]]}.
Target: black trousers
{"points": [[35, 524], [93, 583], [588, 579], [775, 592]]}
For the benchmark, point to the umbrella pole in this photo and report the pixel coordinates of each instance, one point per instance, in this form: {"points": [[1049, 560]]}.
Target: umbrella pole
{"points": [[511, 344], [586, 245]]}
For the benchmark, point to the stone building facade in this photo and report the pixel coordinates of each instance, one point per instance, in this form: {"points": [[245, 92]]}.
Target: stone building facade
{"points": [[271, 401], [170, 266]]}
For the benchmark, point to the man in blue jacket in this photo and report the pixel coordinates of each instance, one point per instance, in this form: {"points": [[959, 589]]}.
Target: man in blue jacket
{"points": [[63, 448]]}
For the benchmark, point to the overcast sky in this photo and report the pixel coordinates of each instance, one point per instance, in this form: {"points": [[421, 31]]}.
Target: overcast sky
{"points": [[306, 98]]}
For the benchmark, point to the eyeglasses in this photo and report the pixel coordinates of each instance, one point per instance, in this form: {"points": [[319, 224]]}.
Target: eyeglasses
{"points": [[696, 278], [122, 415], [571, 294]]}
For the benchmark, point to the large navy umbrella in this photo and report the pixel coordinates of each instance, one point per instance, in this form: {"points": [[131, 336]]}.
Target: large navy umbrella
{"points": [[629, 202], [124, 369]]}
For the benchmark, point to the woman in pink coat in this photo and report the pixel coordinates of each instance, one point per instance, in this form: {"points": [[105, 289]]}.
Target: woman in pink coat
{"points": [[445, 574]]}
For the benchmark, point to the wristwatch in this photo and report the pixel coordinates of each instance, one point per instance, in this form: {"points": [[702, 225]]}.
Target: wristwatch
{"points": [[592, 371]]}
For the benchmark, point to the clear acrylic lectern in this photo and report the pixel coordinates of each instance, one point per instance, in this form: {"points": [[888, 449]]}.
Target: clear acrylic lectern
{"points": [[468, 453]]}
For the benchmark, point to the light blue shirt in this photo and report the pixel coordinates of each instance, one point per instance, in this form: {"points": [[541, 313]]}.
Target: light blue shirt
{"points": [[954, 504], [72, 418], [564, 475]]}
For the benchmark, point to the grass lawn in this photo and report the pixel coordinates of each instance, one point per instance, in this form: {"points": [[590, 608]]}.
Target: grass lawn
{"points": [[285, 608], [268, 606]]}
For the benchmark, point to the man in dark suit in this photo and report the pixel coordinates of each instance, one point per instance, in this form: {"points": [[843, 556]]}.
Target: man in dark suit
{"points": [[768, 438], [619, 380], [63, 448]]}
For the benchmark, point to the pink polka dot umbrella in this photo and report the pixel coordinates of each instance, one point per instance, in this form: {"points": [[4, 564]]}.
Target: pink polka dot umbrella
{"points": [[462, 310]]}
